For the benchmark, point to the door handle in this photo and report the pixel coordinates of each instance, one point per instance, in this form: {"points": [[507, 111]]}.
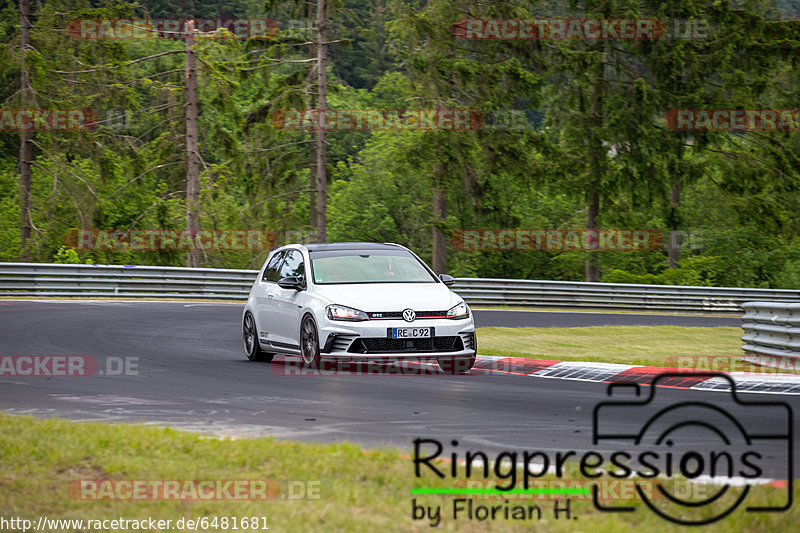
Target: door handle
{"points": [[270, 295]]}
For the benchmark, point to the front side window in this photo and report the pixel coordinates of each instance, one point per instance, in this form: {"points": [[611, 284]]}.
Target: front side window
{"points": [[368, 266], [294, 266], [271, 272]]}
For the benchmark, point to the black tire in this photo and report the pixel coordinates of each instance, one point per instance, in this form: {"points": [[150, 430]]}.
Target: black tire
{"points": [[250, 336], [309, 343], [456, 365]]}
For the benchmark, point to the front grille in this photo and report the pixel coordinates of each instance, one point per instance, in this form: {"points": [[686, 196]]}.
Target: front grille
{"points": [[384, 345], [398, 315]]}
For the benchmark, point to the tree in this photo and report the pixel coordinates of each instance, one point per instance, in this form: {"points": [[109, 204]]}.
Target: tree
{"points": [[482, 76]]}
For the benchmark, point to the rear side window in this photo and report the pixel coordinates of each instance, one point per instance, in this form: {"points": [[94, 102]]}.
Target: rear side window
{"points": [[271, 272]]}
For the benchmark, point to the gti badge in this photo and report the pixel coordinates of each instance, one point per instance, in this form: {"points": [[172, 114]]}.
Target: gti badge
{"points": [[409, 315]]}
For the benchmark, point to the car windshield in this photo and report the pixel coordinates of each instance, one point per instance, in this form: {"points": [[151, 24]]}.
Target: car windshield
{"points": [[368, 266]]}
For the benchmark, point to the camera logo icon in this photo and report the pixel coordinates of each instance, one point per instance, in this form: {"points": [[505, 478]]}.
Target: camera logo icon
{"points": [[722, 446]]}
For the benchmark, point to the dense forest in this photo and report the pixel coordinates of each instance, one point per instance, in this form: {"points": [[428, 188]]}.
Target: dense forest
{"points": [[563, 133]]}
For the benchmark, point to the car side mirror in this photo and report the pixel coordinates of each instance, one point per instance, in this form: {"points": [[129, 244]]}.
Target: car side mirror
{"points": [[447, 280], [290, 283]]}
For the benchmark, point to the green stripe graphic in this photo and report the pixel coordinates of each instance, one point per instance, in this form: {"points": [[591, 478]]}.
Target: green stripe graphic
{"points": [[498, 491]]}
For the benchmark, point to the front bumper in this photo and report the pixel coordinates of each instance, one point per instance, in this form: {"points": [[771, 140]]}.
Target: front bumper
{"points": [[370, 340]]}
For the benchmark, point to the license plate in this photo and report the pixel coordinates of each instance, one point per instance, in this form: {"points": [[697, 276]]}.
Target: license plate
{"points": [[410, 333]]}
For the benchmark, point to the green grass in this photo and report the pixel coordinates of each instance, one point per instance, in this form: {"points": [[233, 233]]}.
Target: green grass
{"points": [[360, 492], [635, 345]]}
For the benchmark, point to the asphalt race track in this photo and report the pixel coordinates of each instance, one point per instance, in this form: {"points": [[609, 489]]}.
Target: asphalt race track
{"points": [[189, 371]]}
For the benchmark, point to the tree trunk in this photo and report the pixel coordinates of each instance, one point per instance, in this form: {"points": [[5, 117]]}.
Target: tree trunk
{"points": [[673, 253], [439, 216], [312, 195], [597, 166], [25, 145], [322, 96], [592, 269], [192, 154]]}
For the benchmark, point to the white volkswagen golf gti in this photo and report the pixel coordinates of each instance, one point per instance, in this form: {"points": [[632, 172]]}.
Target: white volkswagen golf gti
{"points": [[356, 301]]}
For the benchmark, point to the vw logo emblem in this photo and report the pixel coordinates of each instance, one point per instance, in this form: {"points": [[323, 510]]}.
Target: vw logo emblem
{"points": [[409, 315]]}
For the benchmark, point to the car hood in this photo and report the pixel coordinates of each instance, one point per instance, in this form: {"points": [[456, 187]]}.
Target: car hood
{"points": [[377, 297]]}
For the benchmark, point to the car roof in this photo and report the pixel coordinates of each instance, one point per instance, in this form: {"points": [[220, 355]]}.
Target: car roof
{"points": [[331, 246]]}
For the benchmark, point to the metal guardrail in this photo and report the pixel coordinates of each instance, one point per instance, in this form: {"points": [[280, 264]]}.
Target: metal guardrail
{"points": [[771, 333], [613, 296], [44, 279], [53, 280]]}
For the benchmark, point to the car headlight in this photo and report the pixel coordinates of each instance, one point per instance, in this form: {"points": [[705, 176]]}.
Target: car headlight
{"points": [[340, 312], [458, 311]]}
